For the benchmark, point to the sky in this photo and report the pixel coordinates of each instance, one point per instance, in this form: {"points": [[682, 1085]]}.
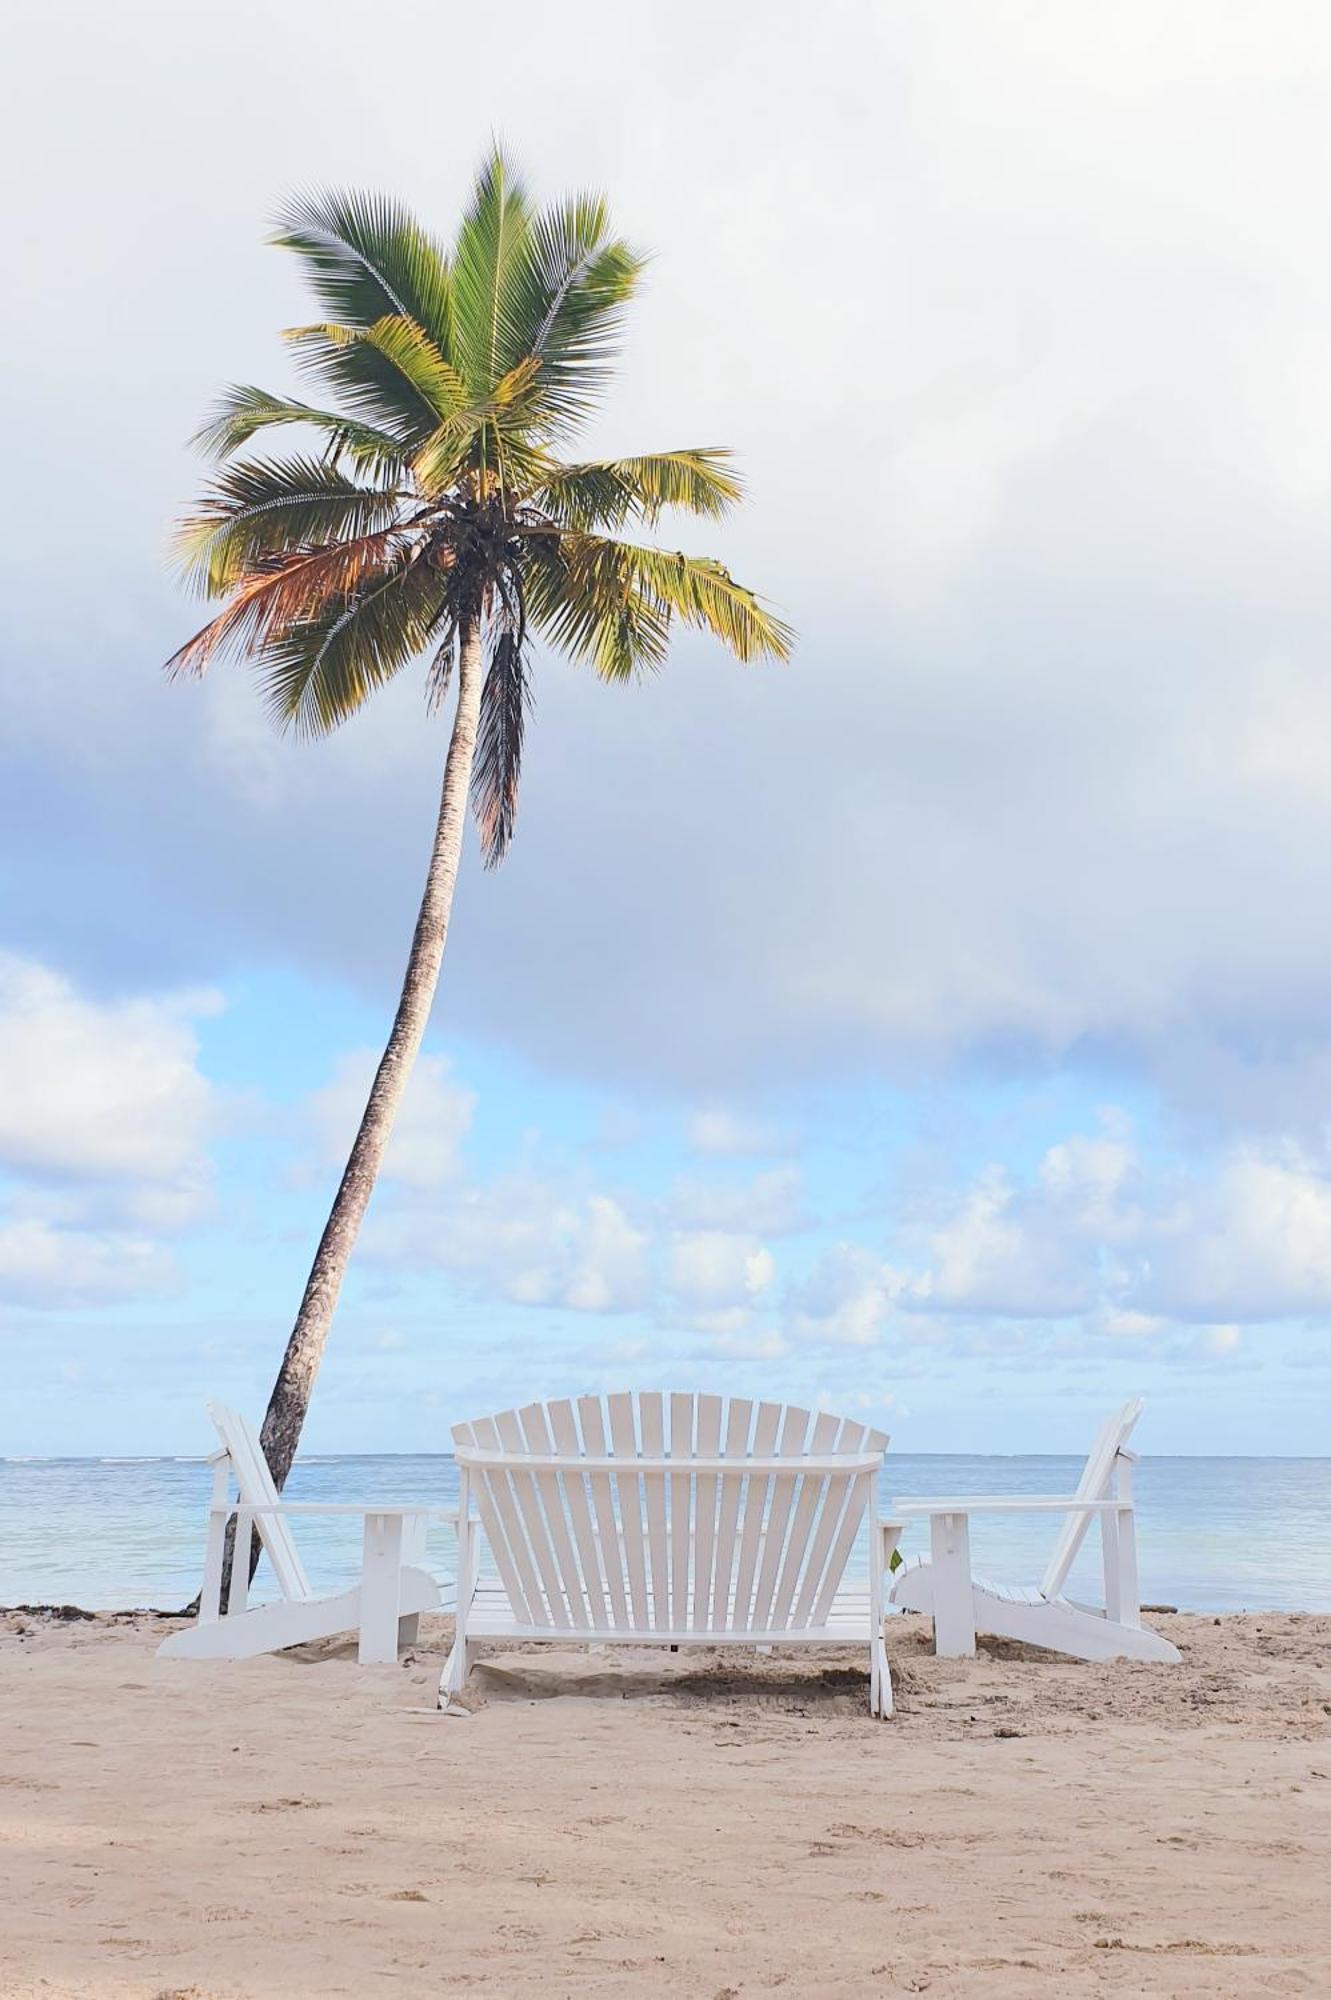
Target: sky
{"points": [[937, 1027]]}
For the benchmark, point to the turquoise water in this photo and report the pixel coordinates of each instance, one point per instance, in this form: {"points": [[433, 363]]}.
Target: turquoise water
{"points": [[1214, 1534]]}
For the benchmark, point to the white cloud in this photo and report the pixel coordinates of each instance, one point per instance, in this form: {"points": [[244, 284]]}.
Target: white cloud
{"points": [[105, 1090], [1243, 1237], [44, 1265], [432, 1121], [771, 1204], [1001, 1254], [104, 1123], [715, 1268], [522, 1237], [716, 1129], [608, 1267], [1251, 1243], [846, 1300]]}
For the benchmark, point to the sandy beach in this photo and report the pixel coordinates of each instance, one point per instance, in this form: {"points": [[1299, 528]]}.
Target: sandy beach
{"points": [[641, 1825]]}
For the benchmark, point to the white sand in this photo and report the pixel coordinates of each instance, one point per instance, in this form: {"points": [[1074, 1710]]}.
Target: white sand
{"points": [[1026, 1827]]}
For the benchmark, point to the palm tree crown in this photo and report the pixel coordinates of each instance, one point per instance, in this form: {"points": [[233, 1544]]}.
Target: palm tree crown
{"points": [[437, 506]]}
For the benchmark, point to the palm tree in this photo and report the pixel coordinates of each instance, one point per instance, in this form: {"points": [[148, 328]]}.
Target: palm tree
{"points": [[434, 516]]}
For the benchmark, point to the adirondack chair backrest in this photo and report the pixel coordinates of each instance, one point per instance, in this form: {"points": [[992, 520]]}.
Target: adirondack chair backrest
{"points": [[1094, 1484], [669, 1514], [255, 1483]]}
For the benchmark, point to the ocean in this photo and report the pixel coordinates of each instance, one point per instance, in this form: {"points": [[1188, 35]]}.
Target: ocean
{"points": [[1214, 1534]]}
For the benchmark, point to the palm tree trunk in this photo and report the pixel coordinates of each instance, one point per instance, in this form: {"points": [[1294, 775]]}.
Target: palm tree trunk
{"points": [[300, 1364]]}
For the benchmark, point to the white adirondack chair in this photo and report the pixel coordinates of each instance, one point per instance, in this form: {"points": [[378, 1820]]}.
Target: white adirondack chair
{"points": [[385, 1606], [642, 1520], [962, 1605]]}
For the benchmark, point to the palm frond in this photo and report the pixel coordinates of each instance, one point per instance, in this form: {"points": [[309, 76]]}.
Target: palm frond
{"points": [[495, 285], [585, 281], [505, 705], [244, 410], [612, 603], [584, 598], [703, 593], [317, 672], [259, 508], [367, 257], [268, 603], [382, 376], [608, 492]]}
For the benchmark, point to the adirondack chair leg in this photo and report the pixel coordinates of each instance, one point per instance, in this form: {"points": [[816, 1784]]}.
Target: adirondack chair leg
{"points": [[210, 1598], [413, 1552], [954, 1596], [1123, 1590], [880, 1680], [458, 1664], [380, 1590], [456, 1669]]}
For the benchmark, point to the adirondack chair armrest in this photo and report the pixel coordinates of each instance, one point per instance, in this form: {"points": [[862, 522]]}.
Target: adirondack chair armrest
{"points": [[407, 1509], [1011, 1503]]}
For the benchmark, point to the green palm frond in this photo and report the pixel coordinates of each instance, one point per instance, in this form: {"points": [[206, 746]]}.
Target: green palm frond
{"points": [[368, 258], [588, 605], [371, 382], [411, 352], [586, 280], [321, 670], [703, 593], [260, 508], [245, 410], [612, 603], [495, 288], [608, 492]]}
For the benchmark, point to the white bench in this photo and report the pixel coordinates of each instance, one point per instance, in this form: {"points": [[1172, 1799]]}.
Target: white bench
{"points": [[670, 1521]]}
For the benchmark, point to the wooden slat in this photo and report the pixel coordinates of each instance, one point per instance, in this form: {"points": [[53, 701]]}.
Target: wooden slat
{"points": [[835, 1498], [651, 1415], [681, 1507], [1096, 1474], [738, 1419], [704, 1533], [754, 1514], [794, 1430], [812, 1487], [575, 1494], [592, 1419], [527, 1502], [857, 1499], [255, 1483], [550, 1486], [499, 1519], [628, 1495]]}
